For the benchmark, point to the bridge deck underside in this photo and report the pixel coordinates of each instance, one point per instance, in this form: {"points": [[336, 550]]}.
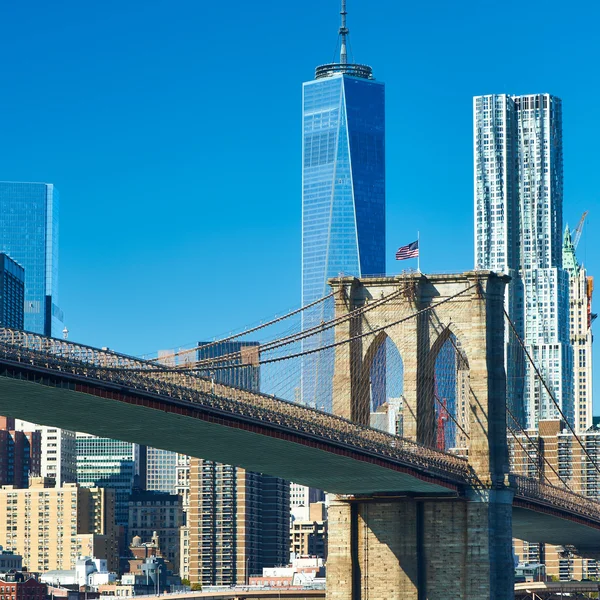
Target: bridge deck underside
{"points": [[535, 526], [330, 470]]}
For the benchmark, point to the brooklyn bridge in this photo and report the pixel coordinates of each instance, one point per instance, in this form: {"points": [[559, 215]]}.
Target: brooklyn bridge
{"points": [[428, 511]]}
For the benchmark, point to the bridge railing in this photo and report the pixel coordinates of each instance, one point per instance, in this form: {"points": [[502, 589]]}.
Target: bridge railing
{"points": [[107, 367], [555, 497]]}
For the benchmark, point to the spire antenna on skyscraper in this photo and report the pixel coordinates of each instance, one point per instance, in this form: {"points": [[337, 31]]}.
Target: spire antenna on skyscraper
{"points": [[344, 67], [343, 35]]}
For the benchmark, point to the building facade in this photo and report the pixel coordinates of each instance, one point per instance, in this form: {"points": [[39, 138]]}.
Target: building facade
{"points": [[581, 287], [29, 235], [58, 455], [161, 470], [111, 464], [308, 531], [159, 516], [51, 527], [20, 454], [518, 230], [12, 297], [303, 496]]}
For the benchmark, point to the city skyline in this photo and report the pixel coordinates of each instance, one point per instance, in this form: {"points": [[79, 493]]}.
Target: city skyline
{"points": [[113, 198]]}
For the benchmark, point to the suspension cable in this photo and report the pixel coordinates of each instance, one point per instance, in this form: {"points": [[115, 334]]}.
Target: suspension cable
{"points": [[547, 388], [246, 332]]}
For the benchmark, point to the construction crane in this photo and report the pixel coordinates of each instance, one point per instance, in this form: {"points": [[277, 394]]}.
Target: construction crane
{"points": [[576, 233]]}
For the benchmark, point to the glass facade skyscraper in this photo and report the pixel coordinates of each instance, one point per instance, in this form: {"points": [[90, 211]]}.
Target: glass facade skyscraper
{"points": [[12, 293], [343, 178], [343, 195], [29, 235]]}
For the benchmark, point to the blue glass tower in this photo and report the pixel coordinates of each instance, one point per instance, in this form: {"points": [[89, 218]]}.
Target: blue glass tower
{"points": [[343, 189], [29, 234]]}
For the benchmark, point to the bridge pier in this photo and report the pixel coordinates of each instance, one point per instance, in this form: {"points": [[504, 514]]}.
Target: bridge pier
{"points": [[421, 549]]}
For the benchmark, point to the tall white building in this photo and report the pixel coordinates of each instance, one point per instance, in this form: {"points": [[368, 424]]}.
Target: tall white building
{"points": [[518, 231], [581, 287]]}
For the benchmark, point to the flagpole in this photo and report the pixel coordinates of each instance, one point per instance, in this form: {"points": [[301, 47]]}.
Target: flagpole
{"points": [[419, 251]]}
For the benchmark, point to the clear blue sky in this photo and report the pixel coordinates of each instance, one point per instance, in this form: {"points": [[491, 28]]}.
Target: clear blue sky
{"points": [[172, 130]]}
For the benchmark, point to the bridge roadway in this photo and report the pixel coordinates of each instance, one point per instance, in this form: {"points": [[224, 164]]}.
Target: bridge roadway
{"points": [[58, 383], [245, 594], [549, 590]]}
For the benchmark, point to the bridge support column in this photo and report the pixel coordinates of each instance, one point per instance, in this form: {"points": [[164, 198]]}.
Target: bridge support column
{"points": [[429, 549]]}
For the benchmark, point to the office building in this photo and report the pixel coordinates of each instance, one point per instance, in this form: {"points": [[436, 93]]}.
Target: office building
{"points": [[112, 464], [581, 286], [518, 230], [12, 293], [161, 470], [343, 195], [29, 235], [159, 516], [51, 527]]}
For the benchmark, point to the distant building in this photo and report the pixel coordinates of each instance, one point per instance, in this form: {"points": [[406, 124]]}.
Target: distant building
{"points": [[302, 495], [29, 226], [148, 571], [20, 454], [12, 293], [157, 516], [111, 464], [9, 561], [581, 286], [58, 453], [88, 572], [69, 521], [161, 471], [388, 416], [308, 534], [22, 586], [307, 571]]}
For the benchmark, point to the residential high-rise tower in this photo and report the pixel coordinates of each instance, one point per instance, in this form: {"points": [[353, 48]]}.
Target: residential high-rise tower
{"points": [[518, 231]]}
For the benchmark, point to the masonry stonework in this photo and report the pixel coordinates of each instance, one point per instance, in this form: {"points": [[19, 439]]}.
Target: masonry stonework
{"points": [[456, 546]]}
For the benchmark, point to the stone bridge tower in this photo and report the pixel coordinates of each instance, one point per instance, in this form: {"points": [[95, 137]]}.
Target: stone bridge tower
{"points": [[452, 546]]}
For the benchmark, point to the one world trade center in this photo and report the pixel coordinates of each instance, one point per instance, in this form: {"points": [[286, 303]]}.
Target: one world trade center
{"points": [[343, 195]]}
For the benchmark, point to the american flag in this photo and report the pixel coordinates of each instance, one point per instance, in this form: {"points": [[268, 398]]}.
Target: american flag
{"points": [[408, 251]]}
